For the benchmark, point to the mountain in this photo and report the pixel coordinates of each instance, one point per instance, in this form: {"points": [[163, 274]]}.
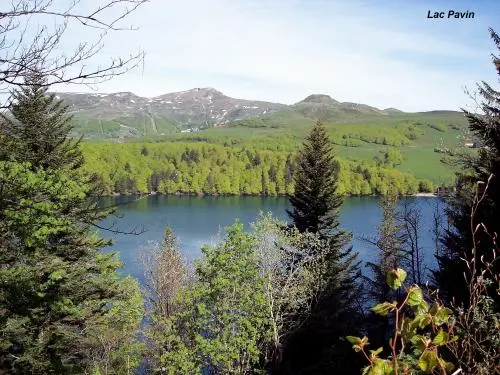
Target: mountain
{"points": [[125, 114], [323, 107]]}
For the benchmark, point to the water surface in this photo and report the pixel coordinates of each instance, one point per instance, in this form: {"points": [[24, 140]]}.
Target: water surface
{"points": [[201, 220]]}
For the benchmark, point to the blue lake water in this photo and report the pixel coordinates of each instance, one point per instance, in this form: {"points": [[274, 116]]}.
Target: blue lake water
{"points": [[201, 220]]}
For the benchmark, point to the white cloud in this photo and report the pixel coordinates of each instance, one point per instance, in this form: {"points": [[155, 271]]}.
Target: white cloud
{"points": [[284, 50]]}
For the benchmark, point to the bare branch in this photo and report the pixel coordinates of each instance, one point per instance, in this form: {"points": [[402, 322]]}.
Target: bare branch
{"points": [[25, 48]]}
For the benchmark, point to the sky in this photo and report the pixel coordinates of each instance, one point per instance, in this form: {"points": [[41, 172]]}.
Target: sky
{"points": [[380, 53]]}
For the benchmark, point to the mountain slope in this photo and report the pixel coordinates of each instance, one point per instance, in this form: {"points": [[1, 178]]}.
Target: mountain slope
{"points": [[125, 114]]}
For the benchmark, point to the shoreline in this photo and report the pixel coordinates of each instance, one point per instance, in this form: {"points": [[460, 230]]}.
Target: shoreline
{"points": [[420, 195], [424, 195]]}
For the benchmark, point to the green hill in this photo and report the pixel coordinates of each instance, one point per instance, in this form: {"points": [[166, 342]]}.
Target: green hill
{"points": [[424, 139]]}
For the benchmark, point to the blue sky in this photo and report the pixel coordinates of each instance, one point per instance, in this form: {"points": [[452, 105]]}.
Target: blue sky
{"points": [[381, 53]]}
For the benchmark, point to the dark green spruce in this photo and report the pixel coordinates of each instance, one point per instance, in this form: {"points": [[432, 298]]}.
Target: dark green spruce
{"points": [[63, 307], [318, 346], [476, 167], [38, 127], [315, 202]]}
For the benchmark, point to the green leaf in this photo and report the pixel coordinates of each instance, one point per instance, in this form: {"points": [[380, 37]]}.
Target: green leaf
{"points": [[376, 352], [419, 342], [357, 343], [354, 340], [381, 367], [421, 321], [396, 278], [442, 315], [421, 308], [407, 329], [441, 338], [384, 308], [57, 275], [415, 296], [428, 361]]}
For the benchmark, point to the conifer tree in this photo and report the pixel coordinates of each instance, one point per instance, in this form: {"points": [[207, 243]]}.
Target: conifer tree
{"points": [[317, 347], [63, 307], [38, 127], [315, 202], [485, 126]]}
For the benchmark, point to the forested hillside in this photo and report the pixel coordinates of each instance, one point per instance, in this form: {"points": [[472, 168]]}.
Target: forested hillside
{"points": [[360, 132], [425, 140], [199, 168]]}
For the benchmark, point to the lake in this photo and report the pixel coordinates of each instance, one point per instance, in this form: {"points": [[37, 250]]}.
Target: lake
{"points": [[200, 220]]}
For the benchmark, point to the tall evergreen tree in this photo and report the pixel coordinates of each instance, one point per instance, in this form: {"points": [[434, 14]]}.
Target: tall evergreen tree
{"points": [[63, 307], [485, 126], [389, 243], [315, 202], [317, 347], [38, 127]]}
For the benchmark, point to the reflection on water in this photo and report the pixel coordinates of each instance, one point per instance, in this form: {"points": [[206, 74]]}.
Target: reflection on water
{"points": [[200, 220]]}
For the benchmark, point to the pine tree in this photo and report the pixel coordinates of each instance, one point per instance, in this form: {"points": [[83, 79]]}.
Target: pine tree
{"points": [[38, 127], [458, 241], [64, 308], [316, 347], [315, 202], [389, 243]]}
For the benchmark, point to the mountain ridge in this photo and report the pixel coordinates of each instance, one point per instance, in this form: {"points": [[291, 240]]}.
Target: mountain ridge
{"points": [[127, 115]]}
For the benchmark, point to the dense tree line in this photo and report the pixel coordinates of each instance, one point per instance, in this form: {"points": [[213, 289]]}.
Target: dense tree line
{"points": [[194, 168]]}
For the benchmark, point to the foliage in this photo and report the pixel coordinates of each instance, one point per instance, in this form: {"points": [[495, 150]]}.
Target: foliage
{"points": [[426, 331], [389, 244], [315, 208], [478, 318], [218, 170], [393, 157], [292, 269], [315, 202], [479, 167], [64, 309], [223, 321], [166, 275], [438, 127], [37, 126], [478, 327]]}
